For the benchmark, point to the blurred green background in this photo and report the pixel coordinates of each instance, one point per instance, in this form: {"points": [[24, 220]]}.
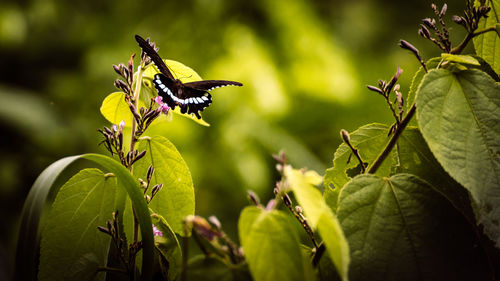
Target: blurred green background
{"points": [[304, 64]]}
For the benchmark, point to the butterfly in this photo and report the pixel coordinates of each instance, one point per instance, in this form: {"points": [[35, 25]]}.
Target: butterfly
{"points": [[191, 97]]}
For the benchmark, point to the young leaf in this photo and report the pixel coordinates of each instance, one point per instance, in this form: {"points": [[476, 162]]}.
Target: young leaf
{"points": [[271, 245], [487, 45], [459, 113], [319, 216], [369, 140], [85, 202], [115, 109], [168, 246], [399, 228], [175, 200], [465, 59]]}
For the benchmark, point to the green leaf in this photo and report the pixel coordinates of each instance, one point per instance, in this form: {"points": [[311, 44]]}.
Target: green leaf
{"points": [[459, 116], [465, 59], [29, 230], [417, 79], [369, 140], [115, 109], [214, 269], [168, 246], [175, 200], [39, 197], [319, 216], [399, 228], [414, 157], [271, 246], [487, 45], [85, 202]]}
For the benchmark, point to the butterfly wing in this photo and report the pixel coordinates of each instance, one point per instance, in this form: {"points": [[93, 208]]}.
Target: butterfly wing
{"points": [[189, 99], [150, 51], [207, 85]]}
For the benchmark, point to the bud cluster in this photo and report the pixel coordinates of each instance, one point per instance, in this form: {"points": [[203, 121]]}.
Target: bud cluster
{"points": [[385, 88], [145, 185], [112, 229], [443, 36], [113, 141], [127, 72], [472, 15], [144, 117]]}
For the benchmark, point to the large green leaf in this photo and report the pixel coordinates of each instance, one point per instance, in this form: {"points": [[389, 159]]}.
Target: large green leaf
{"points": [[85, 202], [487, 45], [271, 245], [175, 200], [399, 228], [39, 197], [370, 141], [169, 247], [319, 216], [417, 79], [414, 157], [459, 116]]}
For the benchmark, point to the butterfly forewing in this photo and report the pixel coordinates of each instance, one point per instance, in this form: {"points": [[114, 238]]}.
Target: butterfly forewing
{"points": [[150, 51]]}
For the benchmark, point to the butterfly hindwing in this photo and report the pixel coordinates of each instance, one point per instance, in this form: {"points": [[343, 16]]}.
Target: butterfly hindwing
{"points": [[189, 99], [207, 85]]}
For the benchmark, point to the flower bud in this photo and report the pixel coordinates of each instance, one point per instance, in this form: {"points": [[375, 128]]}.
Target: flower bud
{"points": [[345, 136], [443, 10], [375, 89], [253, 198]]}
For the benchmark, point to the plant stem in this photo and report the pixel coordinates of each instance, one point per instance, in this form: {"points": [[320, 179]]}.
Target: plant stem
{"points": [[137, 90], [390, 145], [133, 139], [458, 49], [185, 258]]}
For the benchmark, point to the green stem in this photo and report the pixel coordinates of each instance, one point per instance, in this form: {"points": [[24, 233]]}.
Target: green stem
{"points": [[133, 140], [390, 145]]}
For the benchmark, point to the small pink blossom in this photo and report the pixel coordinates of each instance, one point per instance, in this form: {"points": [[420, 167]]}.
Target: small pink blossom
{"points": [[156, 231], [163, 106]]}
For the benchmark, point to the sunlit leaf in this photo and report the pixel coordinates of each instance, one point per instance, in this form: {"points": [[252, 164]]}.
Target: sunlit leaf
{"points": [[39, 197], [115, 109], [319, 216], [175, 200], [459, 113], [399, 228], [271, 245], [85, 202], [487, 45]]}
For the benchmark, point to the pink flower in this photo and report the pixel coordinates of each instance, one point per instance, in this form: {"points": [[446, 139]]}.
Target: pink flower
{"points": [[156, 232], [162, 106]]}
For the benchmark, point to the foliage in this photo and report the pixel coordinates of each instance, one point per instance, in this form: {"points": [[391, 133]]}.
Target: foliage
{"points": [[400, 202]]}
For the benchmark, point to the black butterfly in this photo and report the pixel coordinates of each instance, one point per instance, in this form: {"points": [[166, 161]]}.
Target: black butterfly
{"points": [[191, 97]]}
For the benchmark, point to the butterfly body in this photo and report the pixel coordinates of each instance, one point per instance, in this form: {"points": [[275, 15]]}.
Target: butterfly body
{"points": [[191, 97]]}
